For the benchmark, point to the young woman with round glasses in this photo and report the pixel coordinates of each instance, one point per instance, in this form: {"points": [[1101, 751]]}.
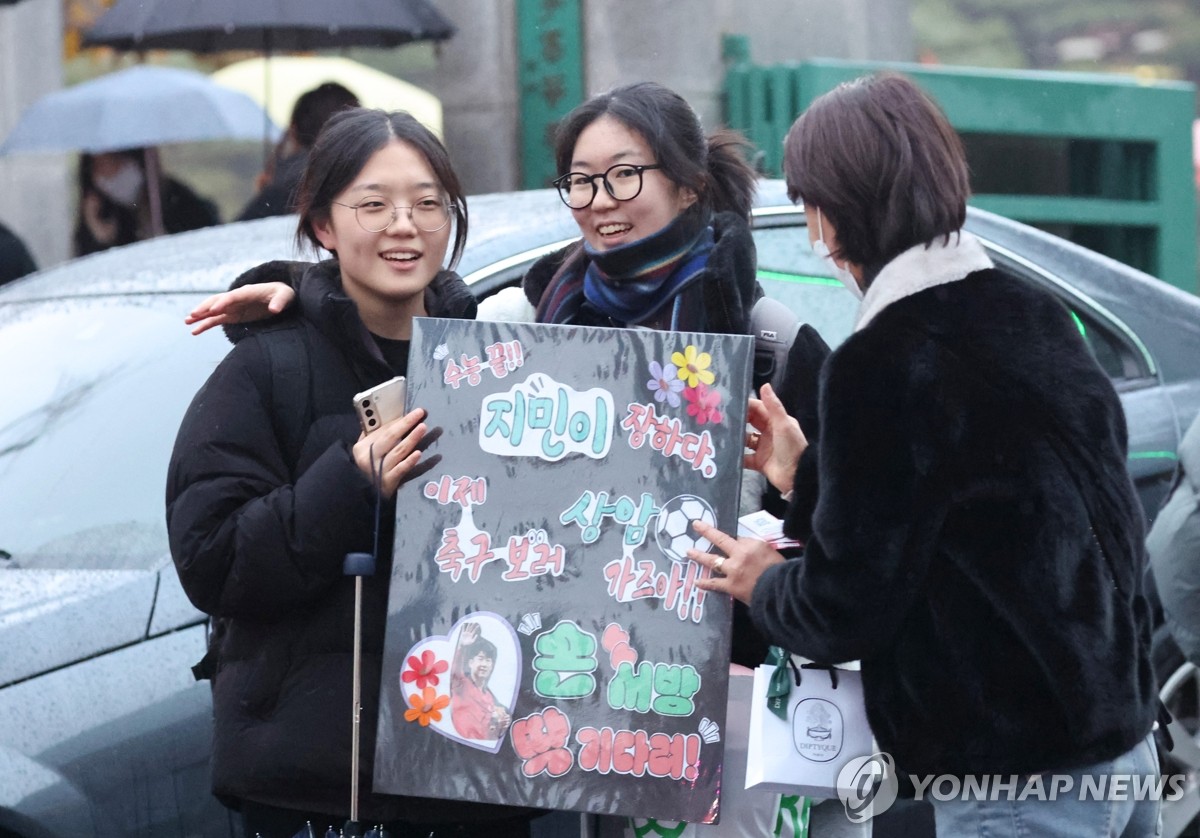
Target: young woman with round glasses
{"points": [[664, 213], [272, 483]]}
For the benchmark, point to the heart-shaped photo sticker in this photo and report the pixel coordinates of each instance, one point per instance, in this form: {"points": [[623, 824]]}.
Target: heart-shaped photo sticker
{"points": [[464, 685]]}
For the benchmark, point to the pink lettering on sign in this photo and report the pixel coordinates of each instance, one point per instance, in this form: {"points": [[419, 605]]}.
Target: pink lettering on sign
{"points": [[629, 580], [505, 357], [455, 558], [666, 435], [637, 753], [540, 740], [467, 367], [464, 491]]}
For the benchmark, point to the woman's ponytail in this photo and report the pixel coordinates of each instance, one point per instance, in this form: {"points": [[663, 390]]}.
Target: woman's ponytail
{"points": [[732, 181]]}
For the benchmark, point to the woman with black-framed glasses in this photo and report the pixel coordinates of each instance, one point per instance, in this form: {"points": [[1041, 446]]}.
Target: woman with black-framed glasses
{"points": [[664, 212]]}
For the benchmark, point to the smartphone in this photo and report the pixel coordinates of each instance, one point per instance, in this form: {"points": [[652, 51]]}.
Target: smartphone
{"points": [[381, 404]]}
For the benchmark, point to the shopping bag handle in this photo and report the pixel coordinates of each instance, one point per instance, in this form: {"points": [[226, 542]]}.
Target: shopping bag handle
{"points": [[780, 685]]}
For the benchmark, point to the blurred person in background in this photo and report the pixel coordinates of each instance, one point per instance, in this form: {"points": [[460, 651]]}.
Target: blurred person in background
{"points": [[15, 260], [277, 183], [115, 206]]}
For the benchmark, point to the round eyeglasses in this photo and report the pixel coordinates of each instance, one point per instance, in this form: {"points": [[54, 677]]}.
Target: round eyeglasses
{"points": [[622, 181], [376, 213]]}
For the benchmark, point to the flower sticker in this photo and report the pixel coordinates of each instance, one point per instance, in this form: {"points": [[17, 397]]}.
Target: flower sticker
{"points": [[703, 404], [664, 384], [426, 707], [693, 366], [424, 670]]}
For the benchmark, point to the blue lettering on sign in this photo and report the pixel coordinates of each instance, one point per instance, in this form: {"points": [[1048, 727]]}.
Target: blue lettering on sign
{"points": [[546, 419]]}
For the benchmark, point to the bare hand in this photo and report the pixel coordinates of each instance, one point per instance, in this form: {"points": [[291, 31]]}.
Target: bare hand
{"points": [[396, 452], [777, 441], [470, 633], [247, 303], [103, 230], [737, 572]]}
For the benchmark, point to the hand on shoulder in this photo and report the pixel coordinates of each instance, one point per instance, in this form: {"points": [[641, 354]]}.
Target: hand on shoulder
{"points": [[257, 301]]}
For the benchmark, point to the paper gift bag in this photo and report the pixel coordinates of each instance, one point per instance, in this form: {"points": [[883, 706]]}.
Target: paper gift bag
{"points": [[819, 726]]}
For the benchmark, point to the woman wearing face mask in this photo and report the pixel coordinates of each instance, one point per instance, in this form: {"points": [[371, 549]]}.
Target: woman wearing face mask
{"points": [[971, 531], [114, 205], [272, 483]]}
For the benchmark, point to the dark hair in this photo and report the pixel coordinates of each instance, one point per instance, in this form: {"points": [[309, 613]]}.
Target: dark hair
{"points": [[713, 167], [345, 145], [125, 218], [480, 644], [314, 108], [879, 159]]}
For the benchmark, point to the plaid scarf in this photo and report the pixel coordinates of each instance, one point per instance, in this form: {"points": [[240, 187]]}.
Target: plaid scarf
{"points": [[631, 283]]}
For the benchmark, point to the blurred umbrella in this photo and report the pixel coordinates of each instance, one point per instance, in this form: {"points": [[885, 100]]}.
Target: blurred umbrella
{"points": [[268, 25], [140, 106], [290, 76]]}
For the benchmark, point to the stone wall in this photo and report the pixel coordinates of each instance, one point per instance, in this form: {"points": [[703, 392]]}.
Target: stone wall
{"points": [[35, 196]]}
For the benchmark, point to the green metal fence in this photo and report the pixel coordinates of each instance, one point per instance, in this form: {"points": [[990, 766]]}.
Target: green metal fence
{"points": [[1101, 160], [549, 79]]}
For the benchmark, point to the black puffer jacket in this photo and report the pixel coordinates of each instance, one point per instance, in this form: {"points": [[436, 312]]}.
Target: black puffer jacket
{"points": [[261, 509]]}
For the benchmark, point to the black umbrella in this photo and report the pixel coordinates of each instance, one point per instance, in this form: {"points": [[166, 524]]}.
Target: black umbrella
{"points": [[267, 25]]}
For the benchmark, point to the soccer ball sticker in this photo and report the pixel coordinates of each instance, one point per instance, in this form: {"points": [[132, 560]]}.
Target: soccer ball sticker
{"points": [[673, 530]]}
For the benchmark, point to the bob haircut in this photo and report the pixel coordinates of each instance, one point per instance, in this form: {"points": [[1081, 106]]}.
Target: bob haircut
{"points": [[880, 160], [344, 146], [713, 167]]}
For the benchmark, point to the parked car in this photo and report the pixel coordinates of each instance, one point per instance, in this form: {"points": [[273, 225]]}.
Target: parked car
{"points": [[103, 731]]}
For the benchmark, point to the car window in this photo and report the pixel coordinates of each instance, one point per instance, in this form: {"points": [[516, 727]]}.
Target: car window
{"points": [[790, 272], [1104, 345], [94, 392]]}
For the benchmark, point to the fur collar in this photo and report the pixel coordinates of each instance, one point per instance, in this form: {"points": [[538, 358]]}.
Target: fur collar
{"points": [[920, 268]]}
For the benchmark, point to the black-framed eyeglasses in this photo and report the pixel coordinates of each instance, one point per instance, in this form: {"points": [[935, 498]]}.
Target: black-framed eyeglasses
{"points": [[376, 213], [622, 181]]}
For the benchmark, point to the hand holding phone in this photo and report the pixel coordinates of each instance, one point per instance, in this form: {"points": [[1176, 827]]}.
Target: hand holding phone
{"points": [[381, 404]]}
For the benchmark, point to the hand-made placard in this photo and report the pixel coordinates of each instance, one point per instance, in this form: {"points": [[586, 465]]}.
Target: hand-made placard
{"points": [[547, 644]]}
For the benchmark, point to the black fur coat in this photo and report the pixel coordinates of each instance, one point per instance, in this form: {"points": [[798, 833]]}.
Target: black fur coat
{"points": [[971, 463]]}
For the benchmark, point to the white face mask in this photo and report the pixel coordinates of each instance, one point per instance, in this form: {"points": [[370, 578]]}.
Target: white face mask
{"points": [[841, 272], [125, 186]]}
